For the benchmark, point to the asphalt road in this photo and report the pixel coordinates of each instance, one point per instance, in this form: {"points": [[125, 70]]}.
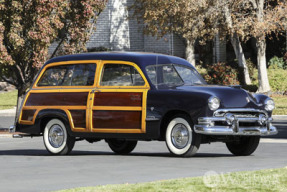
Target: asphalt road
{"points": [[6, 121], [25, 165]]}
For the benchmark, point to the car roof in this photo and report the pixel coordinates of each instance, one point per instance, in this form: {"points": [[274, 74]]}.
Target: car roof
{"points": [[142, 59]]}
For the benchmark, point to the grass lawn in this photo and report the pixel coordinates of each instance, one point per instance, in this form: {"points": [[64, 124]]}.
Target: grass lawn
{"points": [[263, 180], [281, 105], [8, 100]]}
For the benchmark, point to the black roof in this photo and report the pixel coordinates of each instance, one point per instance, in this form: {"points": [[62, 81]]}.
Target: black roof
{"points": [[141, 59]]}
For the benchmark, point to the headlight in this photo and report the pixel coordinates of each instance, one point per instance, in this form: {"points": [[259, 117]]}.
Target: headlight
{"points": [[269, 104], [213, 103]]}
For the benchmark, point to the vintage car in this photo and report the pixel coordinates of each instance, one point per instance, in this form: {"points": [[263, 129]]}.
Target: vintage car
{"points": [[124, 97]]}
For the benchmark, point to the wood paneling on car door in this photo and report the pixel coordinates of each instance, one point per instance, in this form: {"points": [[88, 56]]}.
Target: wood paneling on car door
{"points": [[57, 99], [118, 99]]}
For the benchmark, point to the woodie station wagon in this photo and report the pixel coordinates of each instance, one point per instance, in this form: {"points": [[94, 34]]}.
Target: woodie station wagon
{"points": [[126, 97]]}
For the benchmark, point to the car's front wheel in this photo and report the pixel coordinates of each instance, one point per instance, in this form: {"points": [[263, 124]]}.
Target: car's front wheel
{"points": [[121, 146], [56, 138], [181, 140], [244, 146]]}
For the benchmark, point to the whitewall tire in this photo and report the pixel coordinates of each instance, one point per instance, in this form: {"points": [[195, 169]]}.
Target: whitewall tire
{"points": [[56, 138], [180, 138]]}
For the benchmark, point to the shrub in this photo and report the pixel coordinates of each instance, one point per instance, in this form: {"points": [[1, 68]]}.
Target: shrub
{"points": [[276, 63], [221, 74], [277, 79], [201, 70]]}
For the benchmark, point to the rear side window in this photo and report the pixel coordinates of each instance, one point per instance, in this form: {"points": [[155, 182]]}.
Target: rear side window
{"points": [[121, 75], [69, 75]]}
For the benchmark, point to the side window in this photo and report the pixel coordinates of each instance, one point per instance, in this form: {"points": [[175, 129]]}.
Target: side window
{"points": [[188, 75], [84, 75], [121, 75], [69, 75], [170, 76]]}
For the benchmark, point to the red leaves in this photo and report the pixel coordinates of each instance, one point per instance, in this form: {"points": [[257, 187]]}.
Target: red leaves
{"points": [[222, 74]]}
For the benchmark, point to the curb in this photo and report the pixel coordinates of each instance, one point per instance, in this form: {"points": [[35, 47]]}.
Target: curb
{"points": [[279, 117], [6, 135], [8, 112]]}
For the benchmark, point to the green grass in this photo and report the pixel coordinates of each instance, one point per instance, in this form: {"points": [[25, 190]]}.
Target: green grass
{"points": [[281, 105], [8, 100], [263, 180]]}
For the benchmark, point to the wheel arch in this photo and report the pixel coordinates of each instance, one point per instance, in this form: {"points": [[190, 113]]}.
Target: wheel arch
{"points": [[167, 117], [45, 115]]}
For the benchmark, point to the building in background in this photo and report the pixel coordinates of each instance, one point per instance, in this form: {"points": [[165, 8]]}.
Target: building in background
{"points": [[117, 31]]}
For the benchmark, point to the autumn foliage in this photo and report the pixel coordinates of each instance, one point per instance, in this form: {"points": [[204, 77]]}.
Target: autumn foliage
{"points": [[221, 74], [28, 28], [201, 20]]}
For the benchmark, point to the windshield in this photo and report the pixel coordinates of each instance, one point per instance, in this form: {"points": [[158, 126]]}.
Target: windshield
{"points": [[171, 75]]}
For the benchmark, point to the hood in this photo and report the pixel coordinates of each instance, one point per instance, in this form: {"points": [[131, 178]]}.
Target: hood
{"points": [[230, 97]]}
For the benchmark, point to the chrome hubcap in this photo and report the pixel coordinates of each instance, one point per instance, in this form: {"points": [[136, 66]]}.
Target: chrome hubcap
{"points": [[179, 136], [56, 136]]}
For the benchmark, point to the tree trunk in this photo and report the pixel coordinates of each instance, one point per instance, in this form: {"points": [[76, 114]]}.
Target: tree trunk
{"points": [[189, 52], [240, 57], [264, 86]]}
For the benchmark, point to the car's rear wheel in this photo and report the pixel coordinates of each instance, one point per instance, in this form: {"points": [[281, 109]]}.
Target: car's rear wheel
{"points": [[121, 146], [244, 146], [56, 138], [181, 140]]}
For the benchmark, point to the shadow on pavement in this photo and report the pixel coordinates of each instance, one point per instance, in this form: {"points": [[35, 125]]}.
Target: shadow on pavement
{"points": [[282, 130], [37, 152]]}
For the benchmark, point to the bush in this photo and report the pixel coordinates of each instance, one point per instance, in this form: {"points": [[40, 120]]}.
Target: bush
{"points": [[277, 79], [221, 74], [201, 70], [276, 63]]}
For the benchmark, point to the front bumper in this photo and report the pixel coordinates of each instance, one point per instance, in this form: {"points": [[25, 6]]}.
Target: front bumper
{"points": [[240, 124]]}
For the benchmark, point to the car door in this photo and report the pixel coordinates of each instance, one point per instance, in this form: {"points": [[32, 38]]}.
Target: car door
{"points": [[63, 86], [119, 102]]}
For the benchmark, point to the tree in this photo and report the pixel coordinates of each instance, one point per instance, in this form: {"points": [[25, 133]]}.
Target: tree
{"points": [[203, 19], [227, 10], [191, 20], [27, 29], [258, 19]]}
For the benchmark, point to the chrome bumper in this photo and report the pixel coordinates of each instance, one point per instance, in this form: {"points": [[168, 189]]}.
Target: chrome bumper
{"points": [[206, 126]]}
